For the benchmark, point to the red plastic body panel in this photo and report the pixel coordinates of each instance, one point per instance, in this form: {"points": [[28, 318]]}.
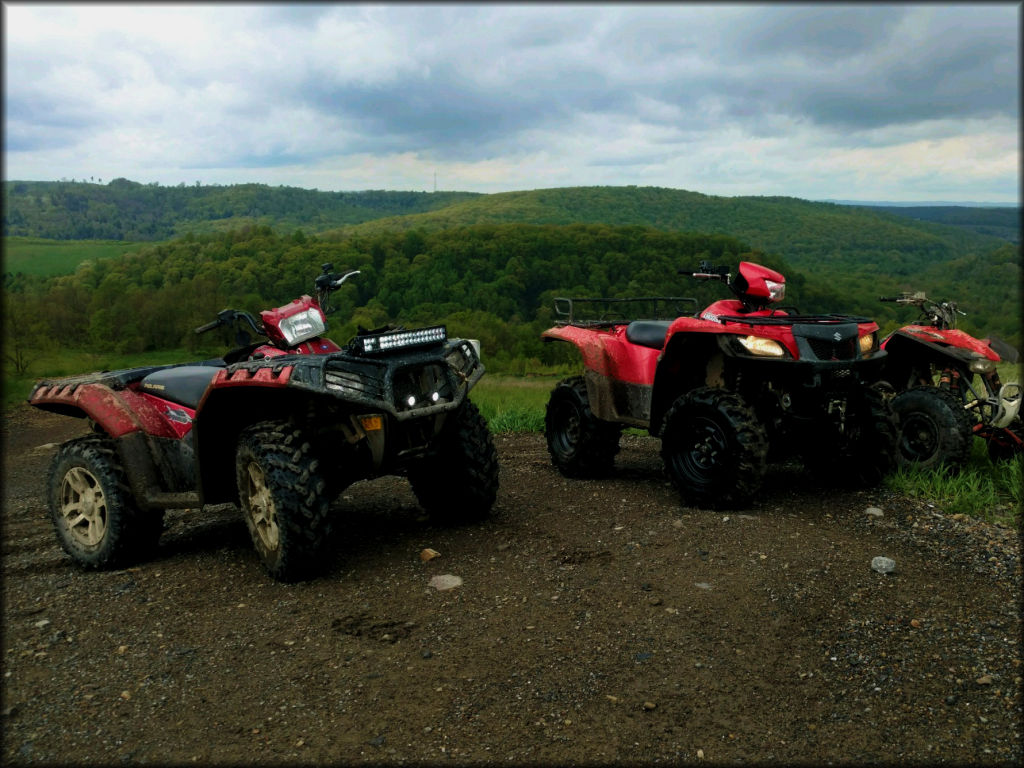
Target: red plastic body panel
{"points": [[756, 277], [315, 346], [118, 413], [264, 377], [178, 417], [950, 337], [607, 352]]}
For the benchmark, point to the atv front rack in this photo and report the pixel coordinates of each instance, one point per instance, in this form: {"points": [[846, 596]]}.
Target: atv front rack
{"points": [[608, 312]]}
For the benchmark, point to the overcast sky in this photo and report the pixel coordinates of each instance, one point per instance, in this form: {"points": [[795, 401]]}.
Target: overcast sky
{"points": [[863, 102]]}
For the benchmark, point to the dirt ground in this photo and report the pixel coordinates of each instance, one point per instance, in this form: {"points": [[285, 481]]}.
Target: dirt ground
{"points": [[597, 622]]}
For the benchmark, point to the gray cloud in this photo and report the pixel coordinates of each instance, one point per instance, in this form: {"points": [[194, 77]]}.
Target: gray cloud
{"points": [[617, 87]]}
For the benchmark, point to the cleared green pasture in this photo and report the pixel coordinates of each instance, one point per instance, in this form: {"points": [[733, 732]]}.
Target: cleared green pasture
{"points": [[42, 257], [514, 403]]}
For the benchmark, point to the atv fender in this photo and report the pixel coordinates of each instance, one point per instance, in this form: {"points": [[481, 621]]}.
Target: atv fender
{"points": [[618, 372], [690, 360], [916, 346], [116, 413], [135, 424]]}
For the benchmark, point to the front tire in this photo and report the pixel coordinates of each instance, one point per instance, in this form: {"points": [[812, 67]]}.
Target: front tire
{"points": [[459, 481], [580, 444], [284, 499], [93, 512], [934, 428], [714, 449]]}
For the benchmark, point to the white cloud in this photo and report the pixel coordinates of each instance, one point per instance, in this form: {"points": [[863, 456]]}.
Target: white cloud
{"points": [[822, 101]]}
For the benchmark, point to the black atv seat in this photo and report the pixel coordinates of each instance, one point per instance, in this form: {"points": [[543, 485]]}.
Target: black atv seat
{"points": [[184, 385], [648, 333]]}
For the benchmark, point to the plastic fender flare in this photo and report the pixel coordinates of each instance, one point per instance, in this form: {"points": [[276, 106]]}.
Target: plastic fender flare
{"points": [[117, 413], [681, 367], [589, 342], [904, 352]]}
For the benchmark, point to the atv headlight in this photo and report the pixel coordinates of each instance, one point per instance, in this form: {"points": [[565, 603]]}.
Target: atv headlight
{"points": [[301, 326], [776, 291], [762, 347], [867, 343], [981, 365]]}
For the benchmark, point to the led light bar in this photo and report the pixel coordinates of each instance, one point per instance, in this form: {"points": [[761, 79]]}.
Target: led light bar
{"points": [[388, 342]]}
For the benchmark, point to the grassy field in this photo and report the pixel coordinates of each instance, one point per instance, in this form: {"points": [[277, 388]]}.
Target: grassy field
{"points": [[39, 256]]}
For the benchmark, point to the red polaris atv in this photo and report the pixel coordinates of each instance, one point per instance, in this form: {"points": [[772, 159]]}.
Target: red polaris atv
{"points": [[934, 370], [279, 427], [726, 389]]}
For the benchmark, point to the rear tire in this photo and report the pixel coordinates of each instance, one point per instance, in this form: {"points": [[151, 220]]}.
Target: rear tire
{"points": [[865, 452], [459, 481], [92, 509], [934, 429], [714, 449], [580, 444], [283, 499]]}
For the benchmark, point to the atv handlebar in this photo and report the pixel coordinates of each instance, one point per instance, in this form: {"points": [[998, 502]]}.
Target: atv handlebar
{"points": [[707, 271], [227, 317], [328, 282]]}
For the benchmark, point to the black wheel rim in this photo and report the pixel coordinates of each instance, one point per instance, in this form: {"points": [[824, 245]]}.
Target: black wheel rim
{"points": [[919, 437], [565, 433], [701, 452]]}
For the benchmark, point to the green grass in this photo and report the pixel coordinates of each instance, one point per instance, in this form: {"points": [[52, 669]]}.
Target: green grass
{"points": [[42, 257], [514, 403], [982, 488]]}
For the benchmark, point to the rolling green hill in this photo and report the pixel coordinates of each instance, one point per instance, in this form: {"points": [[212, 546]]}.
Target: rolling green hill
{"points": [[807, 233], [127, 210], [486, 264]]}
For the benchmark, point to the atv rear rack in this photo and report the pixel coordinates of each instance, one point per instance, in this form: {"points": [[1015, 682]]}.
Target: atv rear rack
{"points": [[589, 313]]}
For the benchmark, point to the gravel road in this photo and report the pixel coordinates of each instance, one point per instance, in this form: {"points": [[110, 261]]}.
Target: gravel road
{"points": [[595, 622]]}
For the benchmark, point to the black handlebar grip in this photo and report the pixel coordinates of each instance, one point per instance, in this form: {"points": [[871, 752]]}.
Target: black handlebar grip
{"points": [[207, 327]]}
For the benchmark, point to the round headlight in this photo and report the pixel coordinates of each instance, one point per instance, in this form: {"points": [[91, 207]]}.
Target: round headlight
{"points": [[982, 365]]}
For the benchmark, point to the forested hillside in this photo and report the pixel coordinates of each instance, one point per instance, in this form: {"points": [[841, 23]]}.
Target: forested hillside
{"points": [[127, 210], [488, 265], [495, 282], [810, 235], [998, 222]]}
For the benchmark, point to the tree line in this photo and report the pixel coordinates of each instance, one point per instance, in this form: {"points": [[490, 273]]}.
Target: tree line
{"points": [[495, 282]]}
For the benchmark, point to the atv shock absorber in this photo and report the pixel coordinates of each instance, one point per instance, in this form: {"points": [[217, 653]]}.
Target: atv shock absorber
{"points": [[950, 380]]}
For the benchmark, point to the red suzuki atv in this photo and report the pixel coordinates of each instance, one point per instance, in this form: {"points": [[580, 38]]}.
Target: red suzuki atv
{"points": [[726, 389], [279, 427], [934, 371]]}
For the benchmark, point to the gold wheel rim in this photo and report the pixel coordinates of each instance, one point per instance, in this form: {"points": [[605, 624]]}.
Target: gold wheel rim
{"points": [[261, 509], [83, 507]]}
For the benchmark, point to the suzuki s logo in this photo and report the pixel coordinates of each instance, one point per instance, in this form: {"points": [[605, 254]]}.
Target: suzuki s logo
{"points": [[837, 336]]}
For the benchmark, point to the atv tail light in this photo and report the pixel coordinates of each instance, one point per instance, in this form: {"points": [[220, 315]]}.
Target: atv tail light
{"points": [[762, 347], [387, 342], [302, 326]]}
